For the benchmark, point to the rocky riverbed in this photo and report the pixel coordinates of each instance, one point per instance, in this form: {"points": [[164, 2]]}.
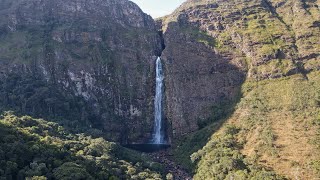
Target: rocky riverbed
{"points": [[165, 157]]}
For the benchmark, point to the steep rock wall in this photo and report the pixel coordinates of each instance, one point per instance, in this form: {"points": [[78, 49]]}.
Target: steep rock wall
{"points": [[88, 61], [197, 78], [212, 46]]}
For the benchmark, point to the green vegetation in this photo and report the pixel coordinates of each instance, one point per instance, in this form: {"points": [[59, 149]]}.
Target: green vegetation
{"points": [[37, 149], [269, 112], [220, 110], [221, 159], [278, 109], [187, 145], [312, 64], [200, 36], [34, 96], [274, 69], [12, 47], [288, 93]]}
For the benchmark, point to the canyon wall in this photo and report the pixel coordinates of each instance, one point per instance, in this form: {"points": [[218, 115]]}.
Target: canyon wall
{"points": [[91, 62], [212, 46]]}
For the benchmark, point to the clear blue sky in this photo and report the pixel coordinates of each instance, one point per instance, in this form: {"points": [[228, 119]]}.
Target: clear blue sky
{"points": [[158, 8]]}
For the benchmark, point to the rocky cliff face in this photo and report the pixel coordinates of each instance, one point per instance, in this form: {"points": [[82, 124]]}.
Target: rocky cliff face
{"points": [[89, 61], [213, 46], [197, 78]]}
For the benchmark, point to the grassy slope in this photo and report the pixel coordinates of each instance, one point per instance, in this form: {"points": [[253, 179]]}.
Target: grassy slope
{"points": [[280, 124], [277, 119], [276, 39], [277, 124]]}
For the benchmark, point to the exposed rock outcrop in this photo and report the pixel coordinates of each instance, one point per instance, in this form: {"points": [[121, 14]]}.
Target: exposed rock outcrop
{"points": [[197, 78], [97, 56], [212, 46]]}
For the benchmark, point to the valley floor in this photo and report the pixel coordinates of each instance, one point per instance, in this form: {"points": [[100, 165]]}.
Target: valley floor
{"points": [[165, 157]]}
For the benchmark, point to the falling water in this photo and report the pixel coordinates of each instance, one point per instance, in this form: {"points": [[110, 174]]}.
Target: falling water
{"points": [[158, 137]]}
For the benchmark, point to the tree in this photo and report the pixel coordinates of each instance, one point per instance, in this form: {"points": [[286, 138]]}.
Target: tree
{"points": [[71, 171]]}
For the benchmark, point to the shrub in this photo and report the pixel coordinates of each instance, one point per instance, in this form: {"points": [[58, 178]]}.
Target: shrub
{"points": [[71, 171]]}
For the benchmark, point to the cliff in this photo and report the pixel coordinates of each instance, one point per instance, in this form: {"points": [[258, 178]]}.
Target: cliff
{"points": [[90, 62], [213, 46]]}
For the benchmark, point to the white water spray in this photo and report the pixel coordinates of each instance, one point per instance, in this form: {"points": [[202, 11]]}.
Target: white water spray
{"points": [[158, 137]]}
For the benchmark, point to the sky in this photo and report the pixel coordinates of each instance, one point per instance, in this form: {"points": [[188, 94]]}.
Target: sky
{"points": [[158, 8]]}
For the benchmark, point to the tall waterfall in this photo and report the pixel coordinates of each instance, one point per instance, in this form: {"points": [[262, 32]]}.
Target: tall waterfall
{"points": [[158, 137]]}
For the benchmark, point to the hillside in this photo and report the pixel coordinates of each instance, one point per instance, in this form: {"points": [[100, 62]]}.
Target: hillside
{"points": [[38, 149], [217, 45], [252, 65]]}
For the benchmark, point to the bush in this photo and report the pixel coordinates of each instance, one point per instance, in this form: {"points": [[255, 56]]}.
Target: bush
{"points": [[71, 171], [169, 176], [36, 178]]}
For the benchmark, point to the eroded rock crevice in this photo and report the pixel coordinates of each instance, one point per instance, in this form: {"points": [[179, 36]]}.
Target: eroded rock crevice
{"points": [[162, 40]]}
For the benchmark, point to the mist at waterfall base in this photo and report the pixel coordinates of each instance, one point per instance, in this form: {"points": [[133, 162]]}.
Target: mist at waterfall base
{"points": [[158, 141]]}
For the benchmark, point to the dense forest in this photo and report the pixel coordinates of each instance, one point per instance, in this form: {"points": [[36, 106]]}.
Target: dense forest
{"points": [[39, 149]]}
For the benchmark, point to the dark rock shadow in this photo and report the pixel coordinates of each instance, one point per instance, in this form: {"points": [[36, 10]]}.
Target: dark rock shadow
{"points": [[203, 86]]}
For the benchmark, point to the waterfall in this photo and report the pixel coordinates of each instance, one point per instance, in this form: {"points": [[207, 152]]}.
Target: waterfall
{"points": [[158, 137]]}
